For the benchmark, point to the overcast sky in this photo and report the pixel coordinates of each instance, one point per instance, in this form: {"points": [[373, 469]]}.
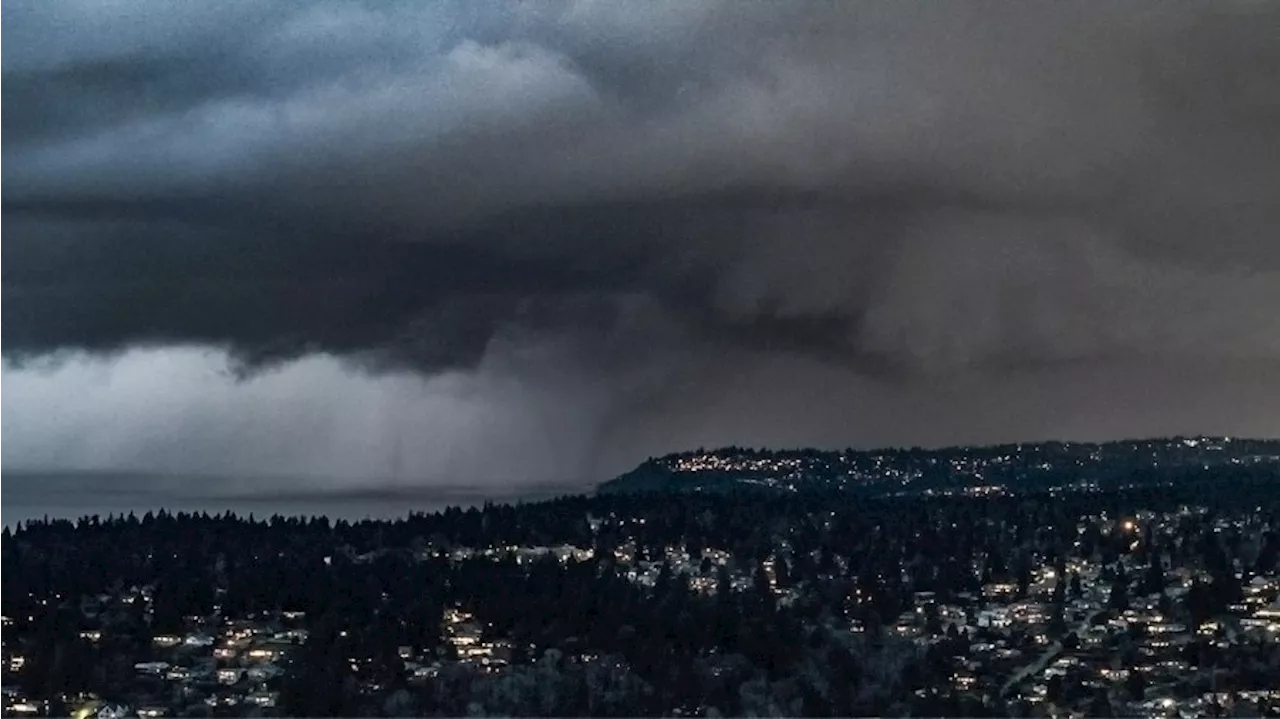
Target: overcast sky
{"points": [[539, 241]]}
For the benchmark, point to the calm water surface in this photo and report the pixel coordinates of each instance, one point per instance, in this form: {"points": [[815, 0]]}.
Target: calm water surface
{"points": [[70, 495]]}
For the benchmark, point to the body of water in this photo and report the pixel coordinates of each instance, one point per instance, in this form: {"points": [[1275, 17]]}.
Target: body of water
{"points": [[70, 495]]}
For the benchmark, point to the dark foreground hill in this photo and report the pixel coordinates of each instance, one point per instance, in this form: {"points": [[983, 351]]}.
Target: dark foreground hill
{"points": [[1008, 467], [1123, 601]]}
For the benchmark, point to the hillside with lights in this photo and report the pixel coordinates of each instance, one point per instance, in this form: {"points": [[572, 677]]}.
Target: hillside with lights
{"points": [[958, 470]]}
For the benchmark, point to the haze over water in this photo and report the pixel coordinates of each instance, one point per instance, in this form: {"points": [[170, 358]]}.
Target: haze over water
{"points": [[71, 495]]}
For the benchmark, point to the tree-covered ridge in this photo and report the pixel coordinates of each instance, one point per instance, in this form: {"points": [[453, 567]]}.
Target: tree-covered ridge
{"points": [[1014, 466], [805, 603]]}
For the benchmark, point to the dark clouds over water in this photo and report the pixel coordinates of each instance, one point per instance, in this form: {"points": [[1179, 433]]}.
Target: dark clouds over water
{"points": [[625, 228]]}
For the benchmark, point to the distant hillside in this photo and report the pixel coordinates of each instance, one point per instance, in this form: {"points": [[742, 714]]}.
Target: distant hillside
{"points": [[969, 470]]}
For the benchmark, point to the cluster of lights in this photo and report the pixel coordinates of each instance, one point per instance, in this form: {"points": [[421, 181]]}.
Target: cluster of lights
{"points": [[716, 463]]}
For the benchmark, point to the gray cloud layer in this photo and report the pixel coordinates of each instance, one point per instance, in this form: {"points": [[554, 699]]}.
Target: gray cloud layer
{"points": [[718, 197]]}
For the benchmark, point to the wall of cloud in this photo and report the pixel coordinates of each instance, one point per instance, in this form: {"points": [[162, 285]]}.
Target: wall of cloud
{"points": [[662, 224]]}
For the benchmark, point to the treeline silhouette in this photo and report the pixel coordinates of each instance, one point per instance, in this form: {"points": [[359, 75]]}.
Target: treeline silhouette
{"points": [[588, 640]]}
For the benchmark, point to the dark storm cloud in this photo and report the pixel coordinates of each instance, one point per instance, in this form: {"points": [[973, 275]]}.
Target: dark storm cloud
{"points": [[104, 284], [893, 188]]}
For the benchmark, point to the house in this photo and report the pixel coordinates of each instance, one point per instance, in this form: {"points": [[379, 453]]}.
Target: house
{"points": [[268, 651], [290, 635], [229, 675], [198, 640], [263, 672], [263, 698], [91, 707], [225, 652], [226, 700], [420, 671], [153, 668]]}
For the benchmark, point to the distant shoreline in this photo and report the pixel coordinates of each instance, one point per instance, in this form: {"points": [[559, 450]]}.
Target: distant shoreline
{"points": [[389, 494], [34, 494]]}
